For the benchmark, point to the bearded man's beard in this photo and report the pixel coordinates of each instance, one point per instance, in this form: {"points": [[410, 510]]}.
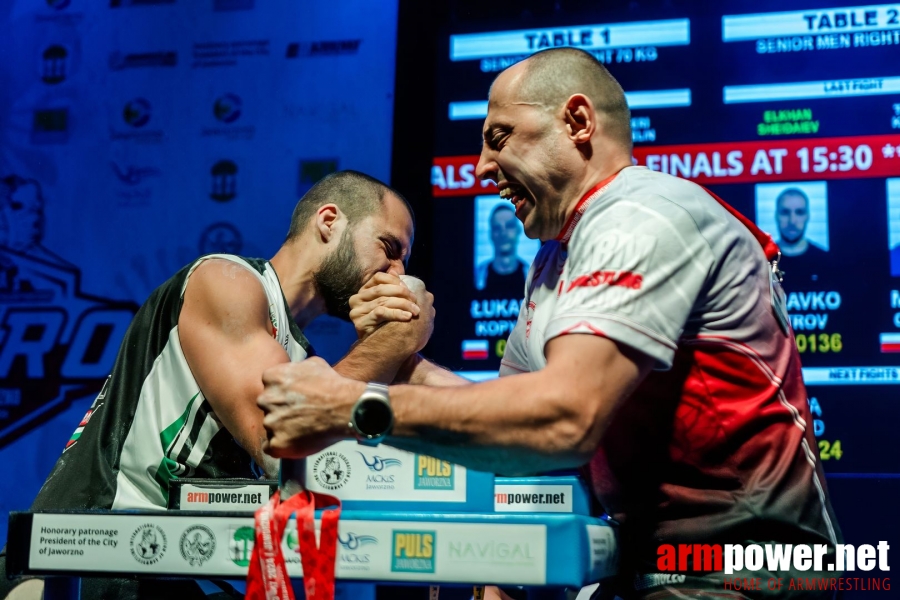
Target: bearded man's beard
{"points": [[339, 277]]}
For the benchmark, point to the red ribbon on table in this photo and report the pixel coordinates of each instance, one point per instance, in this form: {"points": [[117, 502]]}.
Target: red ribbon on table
{"points": [[267, 578]]}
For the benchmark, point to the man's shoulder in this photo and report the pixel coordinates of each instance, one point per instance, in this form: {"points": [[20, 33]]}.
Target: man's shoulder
{"points": [[640, 196], [223, 284]]}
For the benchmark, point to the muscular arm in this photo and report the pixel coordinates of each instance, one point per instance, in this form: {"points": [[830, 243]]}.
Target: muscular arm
{"points": [[389, 337], [227, 341], [379, 356], [549, 419], [417, 370]]}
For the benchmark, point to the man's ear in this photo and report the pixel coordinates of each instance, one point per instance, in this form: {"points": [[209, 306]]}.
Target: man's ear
{"points": [[581, 118], [327, 217]]}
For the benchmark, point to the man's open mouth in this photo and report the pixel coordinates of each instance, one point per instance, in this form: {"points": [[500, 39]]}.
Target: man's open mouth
{"points": [[514, 194]]}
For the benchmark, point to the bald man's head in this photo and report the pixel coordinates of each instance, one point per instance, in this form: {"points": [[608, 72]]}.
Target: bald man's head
{"points": [[551, 77]]}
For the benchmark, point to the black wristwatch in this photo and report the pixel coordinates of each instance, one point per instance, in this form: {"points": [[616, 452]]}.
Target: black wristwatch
{"points": [[372, 417]]}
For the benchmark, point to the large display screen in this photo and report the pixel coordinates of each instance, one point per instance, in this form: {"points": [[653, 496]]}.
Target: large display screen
{"points": [[790, 111]]}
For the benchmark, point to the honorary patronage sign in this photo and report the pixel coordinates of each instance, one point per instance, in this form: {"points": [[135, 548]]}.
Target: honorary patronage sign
{"points": [[222, 546]]}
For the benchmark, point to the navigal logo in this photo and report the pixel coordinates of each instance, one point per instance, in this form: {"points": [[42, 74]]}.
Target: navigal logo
{"points": [[492, 552]]}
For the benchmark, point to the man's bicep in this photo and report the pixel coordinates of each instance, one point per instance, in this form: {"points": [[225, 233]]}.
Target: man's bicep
{"points": [[599, 373], [226, 341]]}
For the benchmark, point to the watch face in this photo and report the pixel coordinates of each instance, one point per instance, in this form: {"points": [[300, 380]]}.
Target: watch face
{"points": [[373, 417]]}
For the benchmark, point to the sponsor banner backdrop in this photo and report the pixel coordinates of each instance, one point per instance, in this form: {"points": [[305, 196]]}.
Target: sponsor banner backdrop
{"points": [[136, 136]]}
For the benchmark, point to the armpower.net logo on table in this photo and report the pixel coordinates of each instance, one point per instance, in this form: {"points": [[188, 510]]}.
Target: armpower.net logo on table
{"points": [[197, 499]]}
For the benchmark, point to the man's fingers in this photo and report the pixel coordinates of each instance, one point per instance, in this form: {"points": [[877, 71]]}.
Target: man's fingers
{"points": [[368, 310], [397, 290], [382, 278]]}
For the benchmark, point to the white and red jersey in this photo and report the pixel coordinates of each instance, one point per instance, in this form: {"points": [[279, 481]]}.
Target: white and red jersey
{"points": [[716, 444]]}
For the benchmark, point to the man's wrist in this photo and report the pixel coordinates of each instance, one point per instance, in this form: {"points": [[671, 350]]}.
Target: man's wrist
{"points": [[340, 422], [407, 370], [372, 417]]}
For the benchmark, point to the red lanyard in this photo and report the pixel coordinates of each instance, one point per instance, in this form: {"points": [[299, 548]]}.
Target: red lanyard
{"points": [[267, 578]]}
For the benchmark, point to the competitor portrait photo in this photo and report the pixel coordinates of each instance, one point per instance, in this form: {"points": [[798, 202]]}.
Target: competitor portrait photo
{"points": [[796, 215], [502, 252]]}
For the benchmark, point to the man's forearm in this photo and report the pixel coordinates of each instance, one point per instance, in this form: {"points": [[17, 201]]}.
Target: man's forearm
{"points": [[417, 370], [512, 425], [376, 358]]}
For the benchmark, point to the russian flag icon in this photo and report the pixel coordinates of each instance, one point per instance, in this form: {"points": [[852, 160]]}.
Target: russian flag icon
{"points": [[474, 349], [890, 342]]}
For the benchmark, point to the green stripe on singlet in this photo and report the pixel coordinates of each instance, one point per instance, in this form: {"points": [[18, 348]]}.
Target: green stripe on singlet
{"points": [[165, 472]]}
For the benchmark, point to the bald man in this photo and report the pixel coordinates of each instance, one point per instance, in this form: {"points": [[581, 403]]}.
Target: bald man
{"points": [[647, 348]]}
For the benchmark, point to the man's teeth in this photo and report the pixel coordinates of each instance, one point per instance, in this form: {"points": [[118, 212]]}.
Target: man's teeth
{"points": [[506, 193]]}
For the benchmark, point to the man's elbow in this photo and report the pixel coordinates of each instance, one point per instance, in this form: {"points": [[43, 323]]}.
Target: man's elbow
{"points": [[574, 439]]}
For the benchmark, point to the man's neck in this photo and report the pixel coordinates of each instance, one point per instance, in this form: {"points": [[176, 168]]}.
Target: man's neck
{"points": [[504, 265], [793, 249], [295, 268], [593, 176]]}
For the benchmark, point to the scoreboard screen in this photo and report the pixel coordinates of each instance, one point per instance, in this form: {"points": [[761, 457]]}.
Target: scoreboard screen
{"points": [[790, 111]]}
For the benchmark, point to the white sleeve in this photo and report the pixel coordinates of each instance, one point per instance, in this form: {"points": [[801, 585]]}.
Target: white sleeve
{"points": [[633, 275], [515, 359]]}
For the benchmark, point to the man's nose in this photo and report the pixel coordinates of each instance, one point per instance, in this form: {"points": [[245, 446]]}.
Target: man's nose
{"points": [[486, 167], [397, 268]]}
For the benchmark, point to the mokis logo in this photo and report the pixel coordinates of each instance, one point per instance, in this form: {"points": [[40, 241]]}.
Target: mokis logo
{"points": [[376, 480], [352, 556], [353, 541], [413, 551], [380, 464], [433, 474]]}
